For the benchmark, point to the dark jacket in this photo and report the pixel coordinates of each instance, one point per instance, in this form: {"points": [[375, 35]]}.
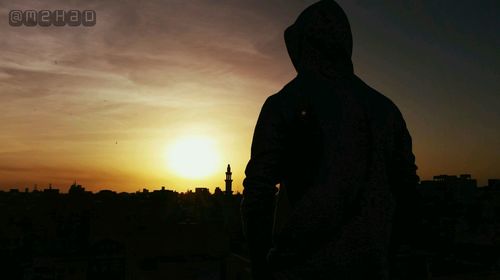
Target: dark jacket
{"points": [[342, 152]]}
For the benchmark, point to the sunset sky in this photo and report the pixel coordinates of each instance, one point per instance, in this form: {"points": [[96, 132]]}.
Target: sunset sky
{"points": [[108, 105]]}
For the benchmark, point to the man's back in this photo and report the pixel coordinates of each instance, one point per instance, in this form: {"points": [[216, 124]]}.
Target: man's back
{"points": [[343, 153]]}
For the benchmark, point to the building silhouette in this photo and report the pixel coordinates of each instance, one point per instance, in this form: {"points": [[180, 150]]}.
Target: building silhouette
{"points": [[460, 188], [494, 184], [229, 181]]}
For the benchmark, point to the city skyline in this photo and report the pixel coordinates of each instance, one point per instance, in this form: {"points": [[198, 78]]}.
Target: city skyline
{"points": [[228, 187]]}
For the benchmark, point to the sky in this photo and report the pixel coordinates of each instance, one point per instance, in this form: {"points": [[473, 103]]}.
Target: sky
{"points": [[104, 105]]}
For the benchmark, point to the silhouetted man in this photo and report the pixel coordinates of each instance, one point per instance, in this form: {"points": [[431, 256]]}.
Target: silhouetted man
{"points": [[344, 155]]}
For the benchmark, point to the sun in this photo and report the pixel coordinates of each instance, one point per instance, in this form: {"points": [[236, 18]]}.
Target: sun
{"points": [[193, 157]]}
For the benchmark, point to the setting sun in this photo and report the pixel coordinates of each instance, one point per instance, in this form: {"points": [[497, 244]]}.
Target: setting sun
{"points": [[193, 157]]}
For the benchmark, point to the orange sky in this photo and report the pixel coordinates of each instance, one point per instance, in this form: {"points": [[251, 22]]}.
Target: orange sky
{"points": [[102, 105]]}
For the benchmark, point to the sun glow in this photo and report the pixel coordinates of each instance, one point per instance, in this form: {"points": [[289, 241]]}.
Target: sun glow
{"points": [[193, 157]]}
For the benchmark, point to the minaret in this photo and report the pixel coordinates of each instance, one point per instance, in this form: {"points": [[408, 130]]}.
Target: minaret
{"points": [[229, 181]]}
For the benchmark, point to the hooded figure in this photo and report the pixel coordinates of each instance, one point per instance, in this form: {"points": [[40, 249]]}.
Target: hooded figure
{"points": [[342, 156]]}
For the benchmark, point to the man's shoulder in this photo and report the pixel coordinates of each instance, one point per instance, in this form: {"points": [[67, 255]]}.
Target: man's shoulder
{"points": [[285, 95], [287, 90], [377, 100]]}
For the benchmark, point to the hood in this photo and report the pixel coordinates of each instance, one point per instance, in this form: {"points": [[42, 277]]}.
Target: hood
{"points": [[320, 41]]}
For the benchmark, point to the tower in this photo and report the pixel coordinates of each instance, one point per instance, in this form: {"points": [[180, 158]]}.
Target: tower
{"points": [[229, 181]]}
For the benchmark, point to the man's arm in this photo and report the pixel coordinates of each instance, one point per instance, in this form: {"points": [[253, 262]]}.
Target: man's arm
{"points": [[262, 175], [404, 180]]}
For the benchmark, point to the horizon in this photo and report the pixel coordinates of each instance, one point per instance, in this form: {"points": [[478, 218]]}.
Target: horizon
{"points": [[187, 189]]}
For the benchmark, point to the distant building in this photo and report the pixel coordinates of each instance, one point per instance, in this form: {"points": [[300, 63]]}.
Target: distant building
{"points": [[163, 191], [494, 184], [76, 189], [218, 191], [450, 187], [229, 181], [202, 191], [50, 190]]}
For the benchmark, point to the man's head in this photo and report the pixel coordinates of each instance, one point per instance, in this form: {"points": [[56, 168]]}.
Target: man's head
{"points": [[320, 40]]}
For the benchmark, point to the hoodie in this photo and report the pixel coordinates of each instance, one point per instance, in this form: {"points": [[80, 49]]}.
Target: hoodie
{"points": [[342, 156]]}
